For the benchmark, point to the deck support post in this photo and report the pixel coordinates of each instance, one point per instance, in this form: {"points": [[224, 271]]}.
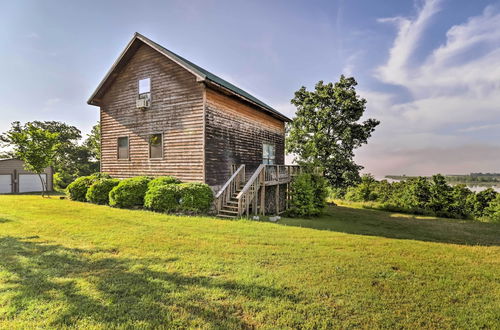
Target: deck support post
{"points": [[277, 198]]}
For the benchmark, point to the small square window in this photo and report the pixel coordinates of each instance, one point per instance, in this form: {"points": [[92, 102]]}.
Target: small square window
{"points": [[156, 146], [123, 147], [144, 86]]}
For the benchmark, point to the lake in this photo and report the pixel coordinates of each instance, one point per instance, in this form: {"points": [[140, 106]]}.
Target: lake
{"points": [[473, 187]]}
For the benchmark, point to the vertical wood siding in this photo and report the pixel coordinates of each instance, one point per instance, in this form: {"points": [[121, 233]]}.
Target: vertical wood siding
{"points": [[176, 111], [234, 134]]}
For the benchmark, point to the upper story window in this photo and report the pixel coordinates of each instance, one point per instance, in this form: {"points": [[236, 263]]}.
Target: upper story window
{"points": [[268, 154], [123, 148], [145, 88], [156, 146]]}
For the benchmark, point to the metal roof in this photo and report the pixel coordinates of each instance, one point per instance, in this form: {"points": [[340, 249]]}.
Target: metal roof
{"points": [[202, 75]]}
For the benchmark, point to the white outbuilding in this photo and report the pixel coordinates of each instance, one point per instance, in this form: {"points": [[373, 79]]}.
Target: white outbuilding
{"points": [[15, 179]]}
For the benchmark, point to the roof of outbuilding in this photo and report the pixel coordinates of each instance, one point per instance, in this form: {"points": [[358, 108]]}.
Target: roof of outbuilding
{"points": [[202, 75]]}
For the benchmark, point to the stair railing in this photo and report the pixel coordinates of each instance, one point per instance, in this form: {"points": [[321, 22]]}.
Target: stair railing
{"points": [[250, 190], [230, 187]]}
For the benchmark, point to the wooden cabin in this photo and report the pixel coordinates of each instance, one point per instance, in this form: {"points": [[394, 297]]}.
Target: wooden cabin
{"points": [[161, 114]]}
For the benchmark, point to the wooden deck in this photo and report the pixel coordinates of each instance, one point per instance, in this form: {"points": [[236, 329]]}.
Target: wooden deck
{"points": [[240, 197]]}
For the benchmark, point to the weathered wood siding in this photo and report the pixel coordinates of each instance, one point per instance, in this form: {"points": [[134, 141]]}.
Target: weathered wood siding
{"points": [[234, 134], [176, 111]]}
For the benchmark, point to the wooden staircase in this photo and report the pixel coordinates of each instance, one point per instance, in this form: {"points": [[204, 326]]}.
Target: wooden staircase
{"points": [[240, 197], [230, 207]]}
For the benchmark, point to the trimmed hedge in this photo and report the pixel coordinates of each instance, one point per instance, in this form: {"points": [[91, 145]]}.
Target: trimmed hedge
{"points": [[98, 192], [129, 193], [195, 197], [77, 190], [162, 198], [163, 180]]}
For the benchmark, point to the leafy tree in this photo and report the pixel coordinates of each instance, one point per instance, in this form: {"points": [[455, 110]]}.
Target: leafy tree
{"points": [[326, 129], [492, 212], [417, 194], [71, 159], [461, 207], [483, 200], [36, 146], [440, 198], [93, 142], [383, 191], [365, 191]]}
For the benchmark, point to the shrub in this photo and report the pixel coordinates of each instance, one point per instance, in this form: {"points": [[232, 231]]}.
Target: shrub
{"points": [[129, 193], [365, 191], [162, 198], [195, 197], [163, 180], [492, 212], [77, 190], [483, 200], [308, 195], [98, 192]]}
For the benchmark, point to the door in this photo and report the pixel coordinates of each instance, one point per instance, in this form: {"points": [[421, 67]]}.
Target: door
{"points": [[31, 182], [5, 183]]}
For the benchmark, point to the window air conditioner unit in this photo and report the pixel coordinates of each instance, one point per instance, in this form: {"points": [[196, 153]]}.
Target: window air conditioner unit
{"points": [[142, 103]]}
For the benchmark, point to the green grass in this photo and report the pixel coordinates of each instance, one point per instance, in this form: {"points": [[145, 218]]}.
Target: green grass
{"points": [[70, 264]]}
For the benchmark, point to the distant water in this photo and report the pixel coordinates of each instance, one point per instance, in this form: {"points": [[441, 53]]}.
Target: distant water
{"points": [[475, 188]]}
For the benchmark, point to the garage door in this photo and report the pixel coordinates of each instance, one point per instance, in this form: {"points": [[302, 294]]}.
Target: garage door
{"points": [[5, 183], [31, 182]]}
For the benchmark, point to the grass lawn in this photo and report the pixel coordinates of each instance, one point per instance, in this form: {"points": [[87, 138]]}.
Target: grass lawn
{"points": [[70, 264]]}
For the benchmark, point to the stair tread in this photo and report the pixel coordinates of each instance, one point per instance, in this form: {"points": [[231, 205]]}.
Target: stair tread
{"points": [[226, 216], [228, 211]]}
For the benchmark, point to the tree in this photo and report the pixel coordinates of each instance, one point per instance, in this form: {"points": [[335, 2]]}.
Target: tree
{"points": [[441, 196], [492, 212], [35, 146], [483, 200], [93, 142], [326, 129], [71, 159]]}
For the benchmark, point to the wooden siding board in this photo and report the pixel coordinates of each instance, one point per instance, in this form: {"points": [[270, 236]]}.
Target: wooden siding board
{"points": [[176, 111], [234, 134]]}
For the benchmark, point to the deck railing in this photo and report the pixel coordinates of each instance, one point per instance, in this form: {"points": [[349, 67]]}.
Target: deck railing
{"points": [[276, 174], [230, 187], [252, 195], [249, 193]]}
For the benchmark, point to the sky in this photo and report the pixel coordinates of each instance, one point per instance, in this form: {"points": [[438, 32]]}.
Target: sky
{"points": [[429, 69]]}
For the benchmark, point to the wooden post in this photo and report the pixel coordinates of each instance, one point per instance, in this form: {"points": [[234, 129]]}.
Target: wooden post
{"points": [[277, 198], [263, 193]]}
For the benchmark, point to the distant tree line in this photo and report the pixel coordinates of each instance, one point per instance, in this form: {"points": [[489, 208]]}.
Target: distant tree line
{"points": [[420, 195]]}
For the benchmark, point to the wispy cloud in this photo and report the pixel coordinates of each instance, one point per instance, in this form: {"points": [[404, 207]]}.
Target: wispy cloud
{"points": [[410, 33], [457, 84]]}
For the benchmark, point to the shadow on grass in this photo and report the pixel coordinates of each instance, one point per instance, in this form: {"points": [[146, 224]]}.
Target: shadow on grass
{"points": [[121, 292], [4, 220], [402, 226]]}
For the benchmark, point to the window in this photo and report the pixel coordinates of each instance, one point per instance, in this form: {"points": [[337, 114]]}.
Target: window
{"points": [[268, 154], [156, 146], [123, 147], [145, 88]]}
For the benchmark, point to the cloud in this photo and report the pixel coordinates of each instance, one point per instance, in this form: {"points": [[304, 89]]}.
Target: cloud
{"points": [[453, 91], [480, 128], [410, 33]]}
